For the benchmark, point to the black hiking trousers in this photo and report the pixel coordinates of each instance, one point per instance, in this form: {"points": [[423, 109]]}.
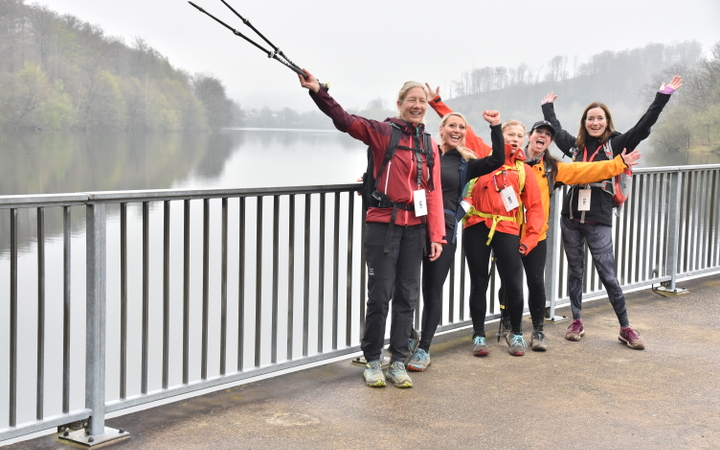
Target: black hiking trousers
{"points": [[394, 275]]}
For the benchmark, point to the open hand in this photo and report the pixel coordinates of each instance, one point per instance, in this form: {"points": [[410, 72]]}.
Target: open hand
{"points": [[550, 97], [672, 86], [432, 93], [631, 159]]}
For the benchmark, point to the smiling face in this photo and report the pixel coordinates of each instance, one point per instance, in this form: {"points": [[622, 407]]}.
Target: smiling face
{"points": [[539, 141], [514, 135], [452, 132], [413, 105], [596, 122]]}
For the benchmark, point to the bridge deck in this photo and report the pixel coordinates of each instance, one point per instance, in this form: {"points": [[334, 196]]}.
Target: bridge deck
{"points": [[592, 394]]}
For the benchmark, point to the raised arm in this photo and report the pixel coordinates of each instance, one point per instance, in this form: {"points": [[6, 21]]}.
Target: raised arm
{"points": [[592, 172], [632, 137], [482, 166], [564, 140], [472, 140], [371, 132]]}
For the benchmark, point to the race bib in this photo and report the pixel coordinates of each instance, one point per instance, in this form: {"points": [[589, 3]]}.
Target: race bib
{"points": [[584, 196], [420, 203], [509, 198]]}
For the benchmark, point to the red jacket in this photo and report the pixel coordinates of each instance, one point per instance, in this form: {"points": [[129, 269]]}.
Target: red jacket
{"points": [[399, 179], [487, 200]]}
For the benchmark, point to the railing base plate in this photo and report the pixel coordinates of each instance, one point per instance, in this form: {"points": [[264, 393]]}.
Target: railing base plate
{"points": [[80, 436], [667, 292]]}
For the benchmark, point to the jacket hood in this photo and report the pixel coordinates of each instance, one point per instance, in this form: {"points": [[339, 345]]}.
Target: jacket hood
{"points": [[511, 157]]}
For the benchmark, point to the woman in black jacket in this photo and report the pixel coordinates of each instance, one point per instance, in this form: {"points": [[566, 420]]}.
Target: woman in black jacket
{"points": [[586, 212], [459, 164]]}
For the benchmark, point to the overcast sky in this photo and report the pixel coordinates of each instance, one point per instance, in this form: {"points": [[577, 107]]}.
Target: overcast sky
{"points": [[368, 49]]}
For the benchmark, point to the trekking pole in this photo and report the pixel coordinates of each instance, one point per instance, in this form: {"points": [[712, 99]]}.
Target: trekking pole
{"points": [[275, 53]]}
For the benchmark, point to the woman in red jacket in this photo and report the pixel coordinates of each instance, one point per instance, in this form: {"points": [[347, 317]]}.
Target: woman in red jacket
{"points": [[410, 214], [501, 201]]}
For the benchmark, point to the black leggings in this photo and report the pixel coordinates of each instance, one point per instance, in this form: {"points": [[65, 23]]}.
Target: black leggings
{"points": [[434, 274], [534, 264], [509, 264]]}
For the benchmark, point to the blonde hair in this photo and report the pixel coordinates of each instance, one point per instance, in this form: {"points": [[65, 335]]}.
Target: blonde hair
{"points": [[465, 152], [511, 123], [406, 88]]}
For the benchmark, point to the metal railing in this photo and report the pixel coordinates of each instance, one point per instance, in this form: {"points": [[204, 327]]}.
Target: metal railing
{"points": [[116, 300]]}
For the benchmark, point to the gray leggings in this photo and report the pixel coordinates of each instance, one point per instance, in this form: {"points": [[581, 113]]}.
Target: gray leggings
{"points": [[599, 241]]}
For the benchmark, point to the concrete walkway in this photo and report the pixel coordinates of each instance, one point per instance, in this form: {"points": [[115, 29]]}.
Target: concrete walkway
{"points": [[592, 394]]}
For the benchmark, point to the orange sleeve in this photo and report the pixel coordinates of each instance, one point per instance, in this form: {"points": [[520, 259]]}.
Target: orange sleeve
{"points": [[589, 172], [472, 141], [534, 215]]}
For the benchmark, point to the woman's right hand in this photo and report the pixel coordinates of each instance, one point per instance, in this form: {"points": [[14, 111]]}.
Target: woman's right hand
{"points": [[432, 93], [492, 117], [550, 97], [630, 159], [309, 81]]}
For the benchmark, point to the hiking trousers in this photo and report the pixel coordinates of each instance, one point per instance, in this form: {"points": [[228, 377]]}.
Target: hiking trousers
{"points": [[394, 275], [599, 240]]}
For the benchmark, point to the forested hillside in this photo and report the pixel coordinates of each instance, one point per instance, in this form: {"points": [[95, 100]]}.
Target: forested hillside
{"points": [[626, 81], [57, 72]]}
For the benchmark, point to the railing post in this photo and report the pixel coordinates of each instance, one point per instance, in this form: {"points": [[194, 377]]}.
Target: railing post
{"points": [[552, 259], [673, 247], [95, 431]]}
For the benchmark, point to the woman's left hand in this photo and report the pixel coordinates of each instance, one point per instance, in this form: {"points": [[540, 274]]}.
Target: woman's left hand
{"points": [[435, 250], [672, 86], [630, 159]]}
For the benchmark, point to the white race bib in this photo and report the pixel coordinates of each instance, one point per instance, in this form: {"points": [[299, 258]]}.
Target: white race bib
{"points": [[509, 198], [584, 196], [420, 203]]}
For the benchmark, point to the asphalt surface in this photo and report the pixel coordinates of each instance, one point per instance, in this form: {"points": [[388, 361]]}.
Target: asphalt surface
{"points": [[592, 394]]}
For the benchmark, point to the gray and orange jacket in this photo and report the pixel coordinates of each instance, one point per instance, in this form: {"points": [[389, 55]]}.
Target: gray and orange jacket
{"points": [[400, 178]]}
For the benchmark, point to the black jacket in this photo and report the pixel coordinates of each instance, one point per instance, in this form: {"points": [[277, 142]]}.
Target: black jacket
{"points": [[601, 203], [453, 178]]}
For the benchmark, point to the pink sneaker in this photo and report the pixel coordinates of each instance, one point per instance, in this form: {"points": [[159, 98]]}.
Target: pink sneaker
{"points": [[575, 331], [631, 338]]}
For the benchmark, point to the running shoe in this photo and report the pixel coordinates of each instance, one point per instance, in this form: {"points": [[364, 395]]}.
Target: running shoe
{"points": [[373, 374], [631, 338], [575, 331], [479, 347], [420, 361], [516, 344], [397, 375], [537, 341]]}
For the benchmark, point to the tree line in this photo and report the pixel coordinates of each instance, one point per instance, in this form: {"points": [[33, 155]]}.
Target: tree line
{"points": [[58, 72], [694, 119]]}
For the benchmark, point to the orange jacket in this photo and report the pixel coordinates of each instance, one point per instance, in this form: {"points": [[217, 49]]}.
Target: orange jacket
{"points": [[573, 173], [485, 199], [472, 141]]}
